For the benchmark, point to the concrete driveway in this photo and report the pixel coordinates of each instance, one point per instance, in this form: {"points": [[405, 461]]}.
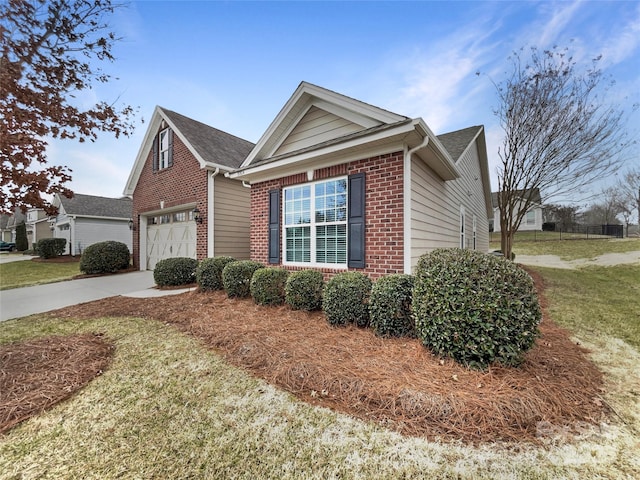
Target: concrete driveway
{"points": [[20, 302]]}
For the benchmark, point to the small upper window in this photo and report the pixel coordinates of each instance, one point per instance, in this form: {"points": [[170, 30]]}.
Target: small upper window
{"points": [[163, 149]]}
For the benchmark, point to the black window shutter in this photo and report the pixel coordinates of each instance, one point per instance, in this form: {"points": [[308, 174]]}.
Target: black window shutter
{"points": [[170, 152], [355, 222], [274, 226], [155, 158]]}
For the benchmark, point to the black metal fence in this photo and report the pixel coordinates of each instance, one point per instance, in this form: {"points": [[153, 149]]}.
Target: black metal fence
{"points": [[577, 232]]}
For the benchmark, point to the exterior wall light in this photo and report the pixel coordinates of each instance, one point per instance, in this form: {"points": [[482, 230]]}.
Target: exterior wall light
{"points": [[196, 215]]}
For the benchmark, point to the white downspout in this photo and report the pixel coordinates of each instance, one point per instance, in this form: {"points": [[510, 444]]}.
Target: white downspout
{"points": [[210, 213], [407, 203], [72, 236]]}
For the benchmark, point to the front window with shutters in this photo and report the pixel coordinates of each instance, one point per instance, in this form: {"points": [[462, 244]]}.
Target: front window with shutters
{"points": [[315, 223], [163, 149]]}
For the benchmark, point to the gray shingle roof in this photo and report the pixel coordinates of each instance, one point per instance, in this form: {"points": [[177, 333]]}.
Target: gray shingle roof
{"points": [[90, 205], [535, 192], [457, 142], [212, 145]]}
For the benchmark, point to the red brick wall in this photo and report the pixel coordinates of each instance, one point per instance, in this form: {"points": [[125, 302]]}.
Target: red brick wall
{"points": [[184, 182], [384, 245]]}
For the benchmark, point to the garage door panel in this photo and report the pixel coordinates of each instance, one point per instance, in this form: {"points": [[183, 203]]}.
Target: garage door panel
{"points": [[170, 241]]}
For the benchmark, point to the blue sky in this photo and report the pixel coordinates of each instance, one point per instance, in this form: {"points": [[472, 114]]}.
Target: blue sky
{"points": [[233, 65]]}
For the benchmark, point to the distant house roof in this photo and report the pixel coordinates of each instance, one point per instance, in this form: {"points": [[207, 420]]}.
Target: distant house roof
{"points": [[535, 196], [213, 145], [92, 206], [4, 221], [457, 142], [16, 219]]}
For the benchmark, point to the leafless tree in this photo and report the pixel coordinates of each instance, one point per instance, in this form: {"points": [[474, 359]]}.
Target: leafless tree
{"points": [[49, 51], [628, 193], [605, 211], [560, 135]]}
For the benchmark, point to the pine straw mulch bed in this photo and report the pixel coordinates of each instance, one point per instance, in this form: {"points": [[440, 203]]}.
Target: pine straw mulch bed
{"points": [[37, 374], [395, 382]]}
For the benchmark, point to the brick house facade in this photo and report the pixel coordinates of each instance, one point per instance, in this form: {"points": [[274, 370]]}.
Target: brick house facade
{"points": [[183, 205], [183, 186], [384, 225], [401, 190]]}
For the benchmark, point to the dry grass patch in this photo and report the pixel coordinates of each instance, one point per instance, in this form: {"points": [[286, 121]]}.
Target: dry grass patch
{"points": [[37, 374]]}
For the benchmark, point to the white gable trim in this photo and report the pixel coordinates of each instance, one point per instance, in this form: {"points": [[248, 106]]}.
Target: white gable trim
{"points": [[302, 99]]}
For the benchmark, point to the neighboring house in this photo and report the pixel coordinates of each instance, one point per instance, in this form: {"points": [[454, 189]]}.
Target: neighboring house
{"points": [[5, 231], [87, 219], [183, 205], [339, 184], [10, 230], [532, 220], [38, 225]]}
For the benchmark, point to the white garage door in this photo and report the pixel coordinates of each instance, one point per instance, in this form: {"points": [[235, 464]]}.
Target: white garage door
{"points": [[168, 240]]}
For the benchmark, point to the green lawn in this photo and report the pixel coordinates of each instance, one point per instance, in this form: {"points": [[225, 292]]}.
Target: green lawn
{"points": [[169, 408], [25, 273], [573, 249], [596, 300]]}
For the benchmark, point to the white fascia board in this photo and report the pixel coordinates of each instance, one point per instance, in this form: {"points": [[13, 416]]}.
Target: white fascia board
{"points": [[99, 217], [263, 172], [274, 125], [306, 95], [162, 211], [437, 156], [143, 152]]}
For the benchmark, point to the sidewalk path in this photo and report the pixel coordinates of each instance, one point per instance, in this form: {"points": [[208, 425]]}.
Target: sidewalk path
{"points": [[20, 302], [606, 260]]}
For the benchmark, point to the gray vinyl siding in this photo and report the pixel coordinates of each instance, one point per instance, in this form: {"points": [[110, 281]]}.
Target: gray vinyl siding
{"points": [[89, 231], [315, 127], [231, 218], [435, 207]]}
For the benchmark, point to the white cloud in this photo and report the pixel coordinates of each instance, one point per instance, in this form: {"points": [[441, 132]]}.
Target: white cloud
{"points": [[623, 42], [437, 81], [556, 23]]}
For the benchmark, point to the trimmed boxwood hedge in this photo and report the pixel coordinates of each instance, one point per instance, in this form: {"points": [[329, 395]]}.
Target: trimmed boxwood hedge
{"points": [[209, 272], [171, 272], [303, 290], [105, 257], [390, 306], [51, 247], [267, 286], [236, 277], [346, 299], [475, 307]]}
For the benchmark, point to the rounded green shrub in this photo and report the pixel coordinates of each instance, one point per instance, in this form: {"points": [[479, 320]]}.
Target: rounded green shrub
{"points": [[105, 257], [390, 306], [346, 299], [303, 290], [51, 247], [236, 277], [475, 307], [209, 272], [267, 286], [171, 272]]}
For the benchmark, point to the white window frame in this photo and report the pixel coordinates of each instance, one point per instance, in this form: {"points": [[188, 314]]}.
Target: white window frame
{"points": [[475, 229], [462, 228], [312, 226], [530, 217], [163, 149]]}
